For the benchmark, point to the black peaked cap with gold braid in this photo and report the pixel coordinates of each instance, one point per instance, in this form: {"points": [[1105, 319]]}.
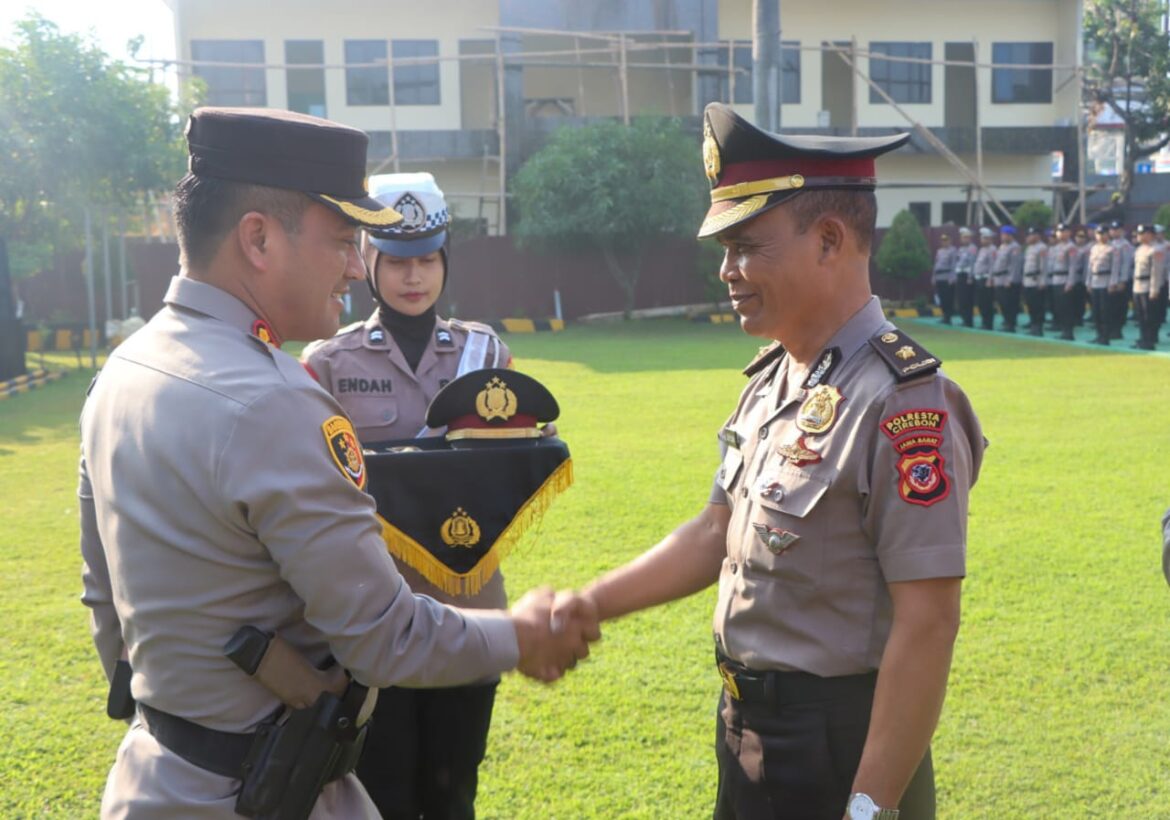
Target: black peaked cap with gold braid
{"points": [[752, 171], [492, 403], [284, 149]]}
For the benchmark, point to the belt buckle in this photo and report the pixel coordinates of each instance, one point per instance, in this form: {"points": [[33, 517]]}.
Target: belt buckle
{"points": [[729, 681]]}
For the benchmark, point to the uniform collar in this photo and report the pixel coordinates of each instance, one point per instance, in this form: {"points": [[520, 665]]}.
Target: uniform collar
{"points": [[209, 300], [858, 329]]}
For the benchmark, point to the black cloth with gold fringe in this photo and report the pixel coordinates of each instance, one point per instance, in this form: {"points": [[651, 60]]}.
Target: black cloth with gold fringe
{"points": [[454, 509]]}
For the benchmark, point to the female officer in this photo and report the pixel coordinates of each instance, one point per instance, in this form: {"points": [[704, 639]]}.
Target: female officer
{"points": [[425, 745]]}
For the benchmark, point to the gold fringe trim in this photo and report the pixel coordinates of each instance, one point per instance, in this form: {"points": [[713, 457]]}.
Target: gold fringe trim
{"points": [[405, 548]]}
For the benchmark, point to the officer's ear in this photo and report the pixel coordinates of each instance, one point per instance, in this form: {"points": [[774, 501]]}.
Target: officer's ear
{"points": [[831, 233], [252, 235]]}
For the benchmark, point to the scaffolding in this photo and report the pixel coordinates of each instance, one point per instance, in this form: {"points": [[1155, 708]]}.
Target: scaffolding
{"points": [[622, 52]]}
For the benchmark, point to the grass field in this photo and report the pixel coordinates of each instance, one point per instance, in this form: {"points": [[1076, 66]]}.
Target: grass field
{"points": [[1059, 697]]}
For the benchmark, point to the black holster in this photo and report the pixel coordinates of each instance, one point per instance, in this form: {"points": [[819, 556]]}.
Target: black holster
{"points": [[292, 760]]}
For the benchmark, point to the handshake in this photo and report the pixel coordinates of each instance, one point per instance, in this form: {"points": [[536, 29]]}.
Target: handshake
{"points": [[554, 631]]}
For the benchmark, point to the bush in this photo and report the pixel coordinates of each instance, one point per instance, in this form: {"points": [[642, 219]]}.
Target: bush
{"points": [[904, 253], [1032, 214]]}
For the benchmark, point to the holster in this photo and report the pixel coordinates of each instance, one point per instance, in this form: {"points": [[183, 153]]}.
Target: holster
{"points": [[292, 760]]}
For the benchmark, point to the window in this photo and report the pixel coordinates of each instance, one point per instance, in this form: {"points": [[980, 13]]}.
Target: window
{"points": [[921, 212], [417, 83], [904, 82], [306, 86], [789, 68], [369, 85], [1021, 85], [231, 85]]}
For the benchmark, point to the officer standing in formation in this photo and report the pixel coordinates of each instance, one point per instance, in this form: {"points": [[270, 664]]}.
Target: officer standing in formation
{"points": [[1119, 292], [1007, 274], [944, 277], [1035, 284], [1104, 272], [424, 748], [251, 509], [1060, 283], [836, 526], [1148, 280], [984, 281], [1079, 274], [964, 287]]}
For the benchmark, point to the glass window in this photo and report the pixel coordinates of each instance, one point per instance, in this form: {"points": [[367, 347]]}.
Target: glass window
{"points": [[744, 93], [306, 86], [1021, 85], [368, 85], [904, 82], [418, 83], [231, 85]]}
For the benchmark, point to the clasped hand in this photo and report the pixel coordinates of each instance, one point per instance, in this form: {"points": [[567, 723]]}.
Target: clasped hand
{"points": [[554, 632]]}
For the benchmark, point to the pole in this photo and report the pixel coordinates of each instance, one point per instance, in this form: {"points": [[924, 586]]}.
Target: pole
{"points": [[393, 124], [765, 61], [123, 311], [853, 89], [107, 273], [624, 75], [502, 133], [978, 129], [89, 297]]}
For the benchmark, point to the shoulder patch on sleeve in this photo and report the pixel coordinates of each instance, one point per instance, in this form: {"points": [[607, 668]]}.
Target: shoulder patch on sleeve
{"points": [[345, 450], [904, 356], [765, 357]]}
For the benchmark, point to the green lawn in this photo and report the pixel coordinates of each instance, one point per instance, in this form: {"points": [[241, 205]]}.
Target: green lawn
{"points": [[1059, 698]]}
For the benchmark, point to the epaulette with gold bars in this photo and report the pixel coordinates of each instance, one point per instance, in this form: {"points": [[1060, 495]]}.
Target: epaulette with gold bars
{"points": [[765, 357], [903, 355]]}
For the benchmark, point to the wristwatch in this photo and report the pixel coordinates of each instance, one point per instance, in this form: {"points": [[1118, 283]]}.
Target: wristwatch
{"points": [[862, 807]]}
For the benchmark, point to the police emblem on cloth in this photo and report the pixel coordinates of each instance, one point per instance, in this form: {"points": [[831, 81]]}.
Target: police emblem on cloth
{"points": [[495, 401], [917, 436], [414, 215], [460, 530], [344, 447]]}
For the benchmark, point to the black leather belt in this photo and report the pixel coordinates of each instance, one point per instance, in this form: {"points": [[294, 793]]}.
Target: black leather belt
{"points": [[211, 749], [781, 688]]}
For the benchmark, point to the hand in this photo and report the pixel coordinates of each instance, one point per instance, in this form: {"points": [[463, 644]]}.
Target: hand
{"points": [[576, 610], [545, 652]]}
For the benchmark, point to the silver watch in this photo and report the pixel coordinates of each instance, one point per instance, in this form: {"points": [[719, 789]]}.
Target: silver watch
{"points": [[862, 807]]}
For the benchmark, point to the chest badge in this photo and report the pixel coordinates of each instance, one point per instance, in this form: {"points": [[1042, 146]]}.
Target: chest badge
{"points": [[777, 540], [798, 453], [819, 411]]}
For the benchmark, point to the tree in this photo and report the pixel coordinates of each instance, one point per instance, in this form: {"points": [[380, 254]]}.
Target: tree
{"points": [[77, 129], [1128, 72], [612, 187], [1032, 214], [904, 253], [1162, 216]]}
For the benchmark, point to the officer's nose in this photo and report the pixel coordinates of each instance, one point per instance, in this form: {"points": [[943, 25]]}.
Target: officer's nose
{"points": [[729, 268], [355, 266]]}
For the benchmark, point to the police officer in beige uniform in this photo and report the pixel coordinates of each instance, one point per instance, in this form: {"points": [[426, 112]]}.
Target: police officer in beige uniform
{"points": [[984, 283], [1035, 280], [1007, 274], [964, 267], [1103, 271], [836, 528], [944, 277], [222, 487], [1149, 267], [425, 745], [1060, 281]]}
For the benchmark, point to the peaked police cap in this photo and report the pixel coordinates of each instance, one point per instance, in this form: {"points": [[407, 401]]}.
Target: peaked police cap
{"points": [[752, 171], [284, 149]]}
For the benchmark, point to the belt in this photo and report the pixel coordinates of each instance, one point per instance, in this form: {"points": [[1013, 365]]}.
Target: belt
{"points": [[220, 752], [782, 688]]}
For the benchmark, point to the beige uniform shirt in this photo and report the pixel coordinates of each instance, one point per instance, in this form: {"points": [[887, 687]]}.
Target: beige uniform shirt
{"points": [[1148, 269], [211, 499], [822, 521], [1060, 262], [984, 262], [1035, 265], [1007, 267], [1104, 265], [368, 375]]}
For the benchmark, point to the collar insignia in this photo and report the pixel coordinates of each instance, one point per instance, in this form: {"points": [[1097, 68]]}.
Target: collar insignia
{"points": [[443, 337], [377, 336], [821, 372], [264, 332], [819, 411]]}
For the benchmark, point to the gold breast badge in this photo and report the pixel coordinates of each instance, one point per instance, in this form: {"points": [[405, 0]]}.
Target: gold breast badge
{"points": [[819, 410], [460, 530], [495, 401]]}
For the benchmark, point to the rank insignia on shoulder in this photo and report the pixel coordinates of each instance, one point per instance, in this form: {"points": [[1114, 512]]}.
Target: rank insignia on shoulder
{"points": [[443, 338], [904, 356], [377, 336], [345, 450], [819, 411], [775, 539], [765, 357]]}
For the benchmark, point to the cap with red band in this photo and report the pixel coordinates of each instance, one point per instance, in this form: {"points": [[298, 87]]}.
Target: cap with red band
{"points": [[494, 403], [752, 171]]}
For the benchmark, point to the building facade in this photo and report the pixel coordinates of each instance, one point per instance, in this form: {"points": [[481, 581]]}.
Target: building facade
{"points": [[469, 88]]}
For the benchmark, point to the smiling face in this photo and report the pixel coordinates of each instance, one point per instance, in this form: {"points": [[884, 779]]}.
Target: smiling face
{"points": [[410, 285], [313, 268], [771, 272]]}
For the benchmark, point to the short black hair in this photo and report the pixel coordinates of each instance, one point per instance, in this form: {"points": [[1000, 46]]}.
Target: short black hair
{"points": [[857, 209], [207, 208]]}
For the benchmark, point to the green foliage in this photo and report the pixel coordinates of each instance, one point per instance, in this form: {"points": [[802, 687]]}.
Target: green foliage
{"points": [[611, 187], [1059, 670], [708, 260], [78, 129], [904, 253], [1162, 216], [1128, 71], [1032, 214]]}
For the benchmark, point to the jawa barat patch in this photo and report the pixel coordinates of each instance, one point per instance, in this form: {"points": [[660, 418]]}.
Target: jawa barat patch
{"points": [[921, 468]]}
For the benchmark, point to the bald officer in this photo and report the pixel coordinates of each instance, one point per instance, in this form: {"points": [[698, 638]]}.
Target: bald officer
{"points": [[222, 487], [836, 527]]}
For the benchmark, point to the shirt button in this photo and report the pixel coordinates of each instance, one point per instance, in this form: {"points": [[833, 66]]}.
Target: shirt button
{"points": [[744, 492], [733, 568], [763, 433]]}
